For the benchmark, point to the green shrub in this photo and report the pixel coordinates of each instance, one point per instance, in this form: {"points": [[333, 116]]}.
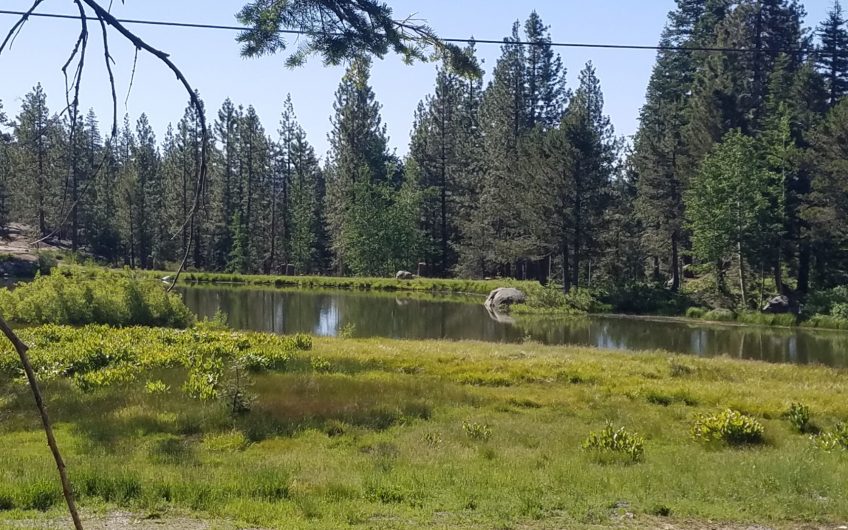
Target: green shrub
{"points": [[77, 298], [840, 311], [46, 263], [696, 312], [477, 431], [730, 427], [611, 445], [551, 299], [823, 302], [832, 440], [641, 299], [799, 416], [156, 387], [347, 331], [720, 315], [825, 322]]}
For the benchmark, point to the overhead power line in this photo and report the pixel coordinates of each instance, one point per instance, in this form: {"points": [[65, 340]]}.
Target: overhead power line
{"points": [[603, 46]]}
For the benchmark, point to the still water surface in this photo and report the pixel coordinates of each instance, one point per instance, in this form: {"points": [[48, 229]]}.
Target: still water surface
{"points": [[410, 316]]}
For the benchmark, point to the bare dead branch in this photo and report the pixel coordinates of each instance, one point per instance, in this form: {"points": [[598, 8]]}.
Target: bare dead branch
{"points": [[16, 28], [132, 78], [22, 349]]}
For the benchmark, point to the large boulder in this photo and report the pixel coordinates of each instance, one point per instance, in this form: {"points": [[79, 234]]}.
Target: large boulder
{"points": [[404, 275], [778, 305], [504, 296]]}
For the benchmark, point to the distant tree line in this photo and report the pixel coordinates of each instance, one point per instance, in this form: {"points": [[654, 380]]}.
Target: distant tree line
{"points": [[739, 167]]}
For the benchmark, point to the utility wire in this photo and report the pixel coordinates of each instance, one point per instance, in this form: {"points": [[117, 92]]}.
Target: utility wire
{"points": [[189, 25]]}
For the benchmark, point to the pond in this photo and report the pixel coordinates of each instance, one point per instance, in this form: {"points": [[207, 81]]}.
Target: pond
{"points": [[415, 316]]}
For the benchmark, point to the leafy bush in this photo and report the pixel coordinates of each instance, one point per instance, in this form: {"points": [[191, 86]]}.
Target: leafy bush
{"points": [[477, 431], [76, 298], [46, 263], [730, 427], [720, 315], [823, 302], [832, 440], [643, 299], [611, 444], [551, 299], [156, 387], [840, 311], [347, 331], [799, 416], [696, 312]]}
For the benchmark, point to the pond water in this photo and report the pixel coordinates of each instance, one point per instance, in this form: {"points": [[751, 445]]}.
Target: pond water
{"points": [[412, 316]]}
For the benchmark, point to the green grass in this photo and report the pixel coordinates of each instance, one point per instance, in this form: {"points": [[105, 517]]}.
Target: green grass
{"points": [[414, 434]]}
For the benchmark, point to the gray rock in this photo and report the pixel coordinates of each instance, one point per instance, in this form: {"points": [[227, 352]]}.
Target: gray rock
{"points": [[404, 275], [778, 305], [504, 296]]}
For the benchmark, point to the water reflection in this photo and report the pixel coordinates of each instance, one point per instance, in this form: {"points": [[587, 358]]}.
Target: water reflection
{"points": [[406, 316]]}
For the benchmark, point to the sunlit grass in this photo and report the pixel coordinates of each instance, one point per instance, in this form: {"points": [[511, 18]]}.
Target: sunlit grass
{"points": [[379, 438]]}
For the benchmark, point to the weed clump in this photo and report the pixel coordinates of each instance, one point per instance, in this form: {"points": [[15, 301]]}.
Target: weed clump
{"points": [[832, 440], [477, 431], [799, 416], [611, 445], [730, 427]]}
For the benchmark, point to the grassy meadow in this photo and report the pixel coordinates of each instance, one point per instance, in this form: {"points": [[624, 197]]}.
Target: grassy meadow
{"points": [[332, 433]]}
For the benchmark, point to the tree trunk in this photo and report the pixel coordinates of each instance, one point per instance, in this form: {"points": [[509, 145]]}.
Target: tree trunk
{"points": [[742, 276], [762, 286], [566, 283], [67, 490], [804, 268], [675, 264]]}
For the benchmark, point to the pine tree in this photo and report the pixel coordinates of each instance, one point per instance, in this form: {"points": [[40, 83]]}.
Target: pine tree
{"points": [[129, 196], [581, 158], [5, 168], [253, 189], [435, 150], [306, 214], [833, 54], [102, 222], [501, 238], [147, 192], [38, 165], [544, 76], [827, 210], [358, 164], [281, 190], [659, 144]]}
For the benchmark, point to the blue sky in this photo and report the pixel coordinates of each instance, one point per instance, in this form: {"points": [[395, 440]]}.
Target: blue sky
{"points": [[211, 61]]}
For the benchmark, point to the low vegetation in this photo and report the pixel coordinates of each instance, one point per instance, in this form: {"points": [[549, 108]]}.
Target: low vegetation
{"points": [[73, 296], [409, 434], [436, 285]]}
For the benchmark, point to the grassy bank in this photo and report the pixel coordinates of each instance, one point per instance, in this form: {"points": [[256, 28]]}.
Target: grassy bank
{"points": [[411, 434], [482, 287]]}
